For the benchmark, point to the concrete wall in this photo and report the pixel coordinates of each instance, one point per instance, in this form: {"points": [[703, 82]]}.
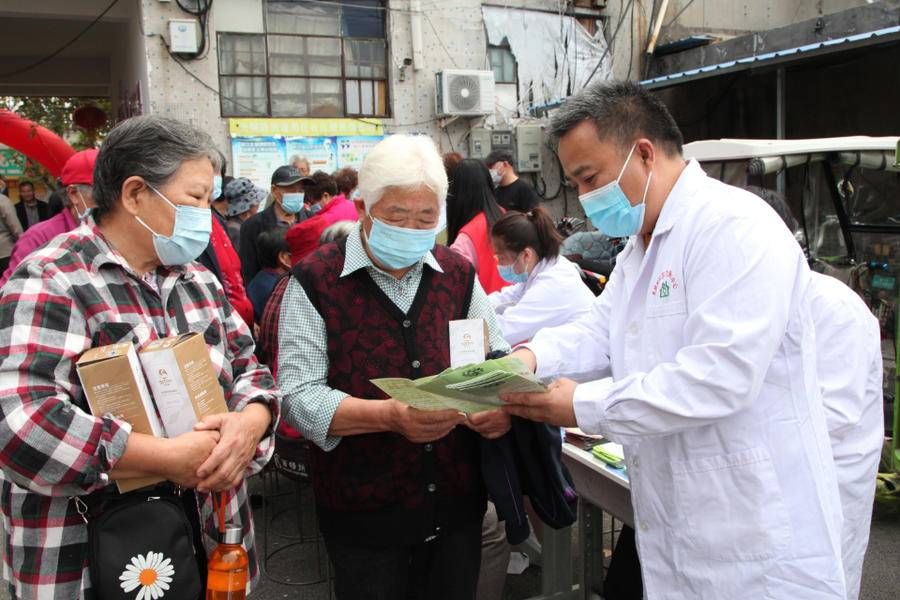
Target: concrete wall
{"points": [[182, 89], [729, 18], [129, 83]]}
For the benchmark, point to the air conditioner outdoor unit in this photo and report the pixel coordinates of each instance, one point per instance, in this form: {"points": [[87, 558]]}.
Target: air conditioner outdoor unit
{"points": [[464, 93]]}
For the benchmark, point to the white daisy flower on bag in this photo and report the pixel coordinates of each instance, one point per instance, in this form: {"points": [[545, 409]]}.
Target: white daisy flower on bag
{"points": [[152, 573]]}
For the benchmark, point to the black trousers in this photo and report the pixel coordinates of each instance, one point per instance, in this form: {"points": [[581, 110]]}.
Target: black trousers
{"points": [[623, 579], [445, 568]]}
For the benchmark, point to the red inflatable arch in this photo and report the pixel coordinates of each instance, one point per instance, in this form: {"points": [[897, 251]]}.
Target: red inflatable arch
{"points": [[37, 143]]}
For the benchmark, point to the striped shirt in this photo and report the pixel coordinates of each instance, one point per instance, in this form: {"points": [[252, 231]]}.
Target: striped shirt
{"points": [[74, 294], [309, 402]]}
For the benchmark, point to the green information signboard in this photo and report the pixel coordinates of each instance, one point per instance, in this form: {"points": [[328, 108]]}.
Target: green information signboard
{"points": [[12, 164]]}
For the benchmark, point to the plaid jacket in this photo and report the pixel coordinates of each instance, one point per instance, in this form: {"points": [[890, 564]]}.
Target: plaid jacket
{"points": [[74, 294]]}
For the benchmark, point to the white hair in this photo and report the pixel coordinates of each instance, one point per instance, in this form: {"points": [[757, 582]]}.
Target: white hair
{"points": [[402, 162], [298, 158]]}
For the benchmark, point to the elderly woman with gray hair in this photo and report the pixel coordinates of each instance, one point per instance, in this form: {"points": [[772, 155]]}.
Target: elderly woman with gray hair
{"points": [[127, 276], [399, 493]]}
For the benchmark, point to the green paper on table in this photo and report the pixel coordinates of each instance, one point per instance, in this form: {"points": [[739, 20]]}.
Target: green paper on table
{"points": [[470, 389], [610, 453]]}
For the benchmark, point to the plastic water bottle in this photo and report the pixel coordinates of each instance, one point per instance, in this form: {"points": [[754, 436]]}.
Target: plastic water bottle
{"points": [[227, 568]]}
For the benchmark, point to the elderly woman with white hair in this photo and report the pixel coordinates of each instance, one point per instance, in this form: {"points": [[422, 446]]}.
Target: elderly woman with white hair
{"points": [[301, 163], [399, 493]]}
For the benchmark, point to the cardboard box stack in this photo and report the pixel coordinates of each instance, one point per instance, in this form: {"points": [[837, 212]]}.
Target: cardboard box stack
{"points": [[184, 387]]}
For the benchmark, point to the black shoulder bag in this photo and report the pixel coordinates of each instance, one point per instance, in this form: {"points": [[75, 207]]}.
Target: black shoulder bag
{"points": [[141, 544]]}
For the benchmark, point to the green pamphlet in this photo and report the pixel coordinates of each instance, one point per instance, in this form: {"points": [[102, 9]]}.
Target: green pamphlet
{"points": [[469, 389], [610, 453]]}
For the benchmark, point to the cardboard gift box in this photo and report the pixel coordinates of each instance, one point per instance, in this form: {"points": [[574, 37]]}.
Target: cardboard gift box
{"points": [[184, 383]]}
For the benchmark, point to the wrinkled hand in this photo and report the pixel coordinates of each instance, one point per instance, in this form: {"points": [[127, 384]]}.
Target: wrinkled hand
{"points": [[555, 407], [420, 426], [224, 469], [491, 424], [187, 452]]}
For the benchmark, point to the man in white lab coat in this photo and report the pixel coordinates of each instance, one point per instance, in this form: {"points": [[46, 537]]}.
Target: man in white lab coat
{"points": [[699, 357]]}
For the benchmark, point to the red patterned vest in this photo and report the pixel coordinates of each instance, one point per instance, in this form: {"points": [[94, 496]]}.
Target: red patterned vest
{"points": [[380, 487]]}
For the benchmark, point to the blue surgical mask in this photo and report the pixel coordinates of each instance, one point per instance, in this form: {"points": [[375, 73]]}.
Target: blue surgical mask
{"points": [[609, 209], [292, 202], [315, 208], [398, 247], [217, 187], [190, 235], [509, 275], [83, 215]]}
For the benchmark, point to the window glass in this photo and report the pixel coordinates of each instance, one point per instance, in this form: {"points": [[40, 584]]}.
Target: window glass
{"points": [[301, 17], [243, 96]]}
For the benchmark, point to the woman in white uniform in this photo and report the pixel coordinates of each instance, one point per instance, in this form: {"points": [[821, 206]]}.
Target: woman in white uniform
{"points": [[546, 288]]}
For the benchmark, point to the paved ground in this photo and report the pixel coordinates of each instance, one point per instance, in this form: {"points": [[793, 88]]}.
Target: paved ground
{"points": [[881, 574], [296, 562]]}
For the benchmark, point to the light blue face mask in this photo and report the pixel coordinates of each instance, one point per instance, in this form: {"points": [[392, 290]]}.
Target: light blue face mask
{"points": [[292, 202], [315, 208], [190, 235], [398, 247], [609, 209], [217, 188], [508, 272], [82, 216]]}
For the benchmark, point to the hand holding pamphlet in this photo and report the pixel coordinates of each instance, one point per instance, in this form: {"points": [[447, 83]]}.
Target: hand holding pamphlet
{"points": [[469, 389]]}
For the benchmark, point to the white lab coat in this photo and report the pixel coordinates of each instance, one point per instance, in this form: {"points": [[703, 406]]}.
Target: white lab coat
{"points": [[708, 338], [553, 295], [848, 342]]}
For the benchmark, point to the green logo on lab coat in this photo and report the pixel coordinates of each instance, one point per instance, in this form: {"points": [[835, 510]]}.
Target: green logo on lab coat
{"points": [[664, 290]]}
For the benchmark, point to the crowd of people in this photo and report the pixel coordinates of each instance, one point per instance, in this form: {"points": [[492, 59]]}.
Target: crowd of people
{"points": [[751, 459]]}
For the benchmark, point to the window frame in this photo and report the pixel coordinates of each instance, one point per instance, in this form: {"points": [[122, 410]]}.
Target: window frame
{"points": [[220, 74], [504, 46], [342, 79]]}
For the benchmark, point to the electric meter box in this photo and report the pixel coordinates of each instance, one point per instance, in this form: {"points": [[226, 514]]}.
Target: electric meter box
{"points": [[529, 139], [183, 38], [503, 139], [479, 143]]}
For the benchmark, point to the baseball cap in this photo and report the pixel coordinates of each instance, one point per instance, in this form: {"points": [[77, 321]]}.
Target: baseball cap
{"points": [[79, 169], [286, 175]]}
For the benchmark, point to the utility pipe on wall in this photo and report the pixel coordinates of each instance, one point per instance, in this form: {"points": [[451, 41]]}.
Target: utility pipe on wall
{"points": [[415, 24], [657, 26]]}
